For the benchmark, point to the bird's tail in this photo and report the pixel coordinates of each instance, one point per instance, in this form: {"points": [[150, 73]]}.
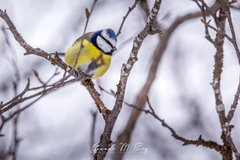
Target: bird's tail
{"points": [[59, 53]]}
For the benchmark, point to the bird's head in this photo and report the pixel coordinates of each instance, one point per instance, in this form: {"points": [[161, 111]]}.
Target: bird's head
{"points": [[105, 40]]}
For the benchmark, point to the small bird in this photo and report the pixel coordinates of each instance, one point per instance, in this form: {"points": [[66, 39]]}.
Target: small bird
{"points": [[95, 56]]}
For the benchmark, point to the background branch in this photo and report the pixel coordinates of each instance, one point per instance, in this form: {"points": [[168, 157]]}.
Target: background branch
{"points": [[124, 137], [198, 142], [125, 71]]}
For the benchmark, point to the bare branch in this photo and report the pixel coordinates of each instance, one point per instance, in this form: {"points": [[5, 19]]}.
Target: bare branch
{"points": [[227, 131], [110, 93], [215, 29], [23, 108], [234, 105], [141, 100], [125, 71], [219, 41], [208, 37], [199, 141], [125, 17], [234, 42], [38, 78], [16, 97], [88, 14], [224, 13], [55, 60], [44, 89]]}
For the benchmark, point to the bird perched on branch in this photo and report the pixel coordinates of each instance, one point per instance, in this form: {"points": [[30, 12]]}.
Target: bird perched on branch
{"points": [[95, 55]]}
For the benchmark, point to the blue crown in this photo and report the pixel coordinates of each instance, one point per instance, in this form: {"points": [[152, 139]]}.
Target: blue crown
{"points": [[111, 34]]}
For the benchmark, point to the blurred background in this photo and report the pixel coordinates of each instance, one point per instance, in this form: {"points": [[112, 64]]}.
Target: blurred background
{"points": [[59, 125]]}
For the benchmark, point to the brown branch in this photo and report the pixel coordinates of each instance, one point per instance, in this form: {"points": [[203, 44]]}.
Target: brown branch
{"points": [[235, 7], [229, 141], [207, 35], [55, 60], [125, 71], [23, 108], [110, 93], [234, 105], [16, 97], [38, 78], [125, 17], [216, 30], [234, 41], [88, 14], [44, 88], [228, 15], [199, 141], [5, 120], [140, 100], [227, 127], [218, 43], [218, 58]]}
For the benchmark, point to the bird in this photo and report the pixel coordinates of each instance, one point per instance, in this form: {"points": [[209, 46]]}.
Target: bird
{"points": [[96, 52]]}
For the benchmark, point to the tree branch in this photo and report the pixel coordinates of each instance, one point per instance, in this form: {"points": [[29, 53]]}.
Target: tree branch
{"points": [[140, 100], [55, 60], [125, 17], [125, 71], [199, 141], [224, 13], [88, 14]]}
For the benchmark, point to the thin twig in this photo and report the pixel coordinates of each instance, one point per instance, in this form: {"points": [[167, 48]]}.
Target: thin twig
{"points": [[110, 93], [20, 110], [234, 105], [199, 141], [125, 17], [234, 42], [88, 14], [38, 78], [207, 35], [55, 74], [19, 98], [215, 29]]}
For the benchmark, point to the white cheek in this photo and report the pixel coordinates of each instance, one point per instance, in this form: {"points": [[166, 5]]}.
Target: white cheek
{"points": [[105, 35], [103, 45]]}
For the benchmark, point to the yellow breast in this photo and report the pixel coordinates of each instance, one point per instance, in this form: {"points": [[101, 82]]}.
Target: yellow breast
{"points": [[88, 54]]}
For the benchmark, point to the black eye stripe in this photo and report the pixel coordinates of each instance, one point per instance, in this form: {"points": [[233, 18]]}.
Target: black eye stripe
{"points": [[106, 40]]}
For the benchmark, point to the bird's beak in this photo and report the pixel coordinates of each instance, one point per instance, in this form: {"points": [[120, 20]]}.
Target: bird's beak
{"points": [[114, 49]]}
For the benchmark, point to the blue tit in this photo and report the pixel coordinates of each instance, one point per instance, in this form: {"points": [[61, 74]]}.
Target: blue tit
{"points": [[96, 52]]}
